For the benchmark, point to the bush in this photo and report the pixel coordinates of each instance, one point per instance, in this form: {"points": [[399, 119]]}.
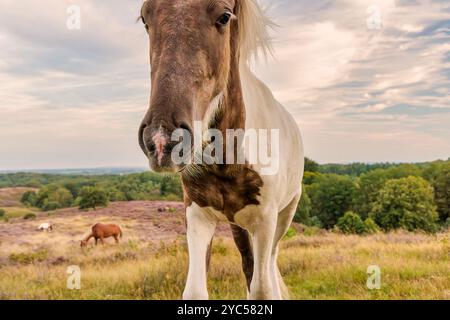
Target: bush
{"points": [[2, 213], [29, 216], [351, 223], [92, 197], [370, 226], [291, 233], [406, 203]]}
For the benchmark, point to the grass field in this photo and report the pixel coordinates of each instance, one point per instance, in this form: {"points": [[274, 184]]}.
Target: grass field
{"points": [[151, 262]]}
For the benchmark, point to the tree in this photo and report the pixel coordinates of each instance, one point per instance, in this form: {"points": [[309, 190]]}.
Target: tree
{"points": [[29, 199], [310, 177], [406, 203], [53, 197], [442, 195], [303, 212], [351, 223], [92, 197], [331, 196], [311, 165], [370, 184], [439, 176]]}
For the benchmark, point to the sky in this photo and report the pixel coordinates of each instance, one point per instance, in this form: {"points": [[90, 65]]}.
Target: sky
{"points": [[366, 80]]}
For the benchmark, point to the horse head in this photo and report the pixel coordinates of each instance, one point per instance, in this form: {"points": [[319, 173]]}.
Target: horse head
{"points": [[193, 48]]}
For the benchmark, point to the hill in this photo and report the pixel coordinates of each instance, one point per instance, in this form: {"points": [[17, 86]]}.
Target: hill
{"points": [[10, 197]]}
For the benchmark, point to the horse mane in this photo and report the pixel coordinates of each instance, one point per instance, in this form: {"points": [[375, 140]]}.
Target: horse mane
{"points": [[254, 25]]}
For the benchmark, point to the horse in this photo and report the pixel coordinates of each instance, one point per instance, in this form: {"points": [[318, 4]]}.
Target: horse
{"points": [[102, 231], [201, 82], [46, 227]]}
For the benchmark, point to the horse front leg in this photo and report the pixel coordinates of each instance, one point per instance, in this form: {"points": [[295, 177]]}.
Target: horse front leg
{"points": [[262, 287], [200, 231], [285, 218]]}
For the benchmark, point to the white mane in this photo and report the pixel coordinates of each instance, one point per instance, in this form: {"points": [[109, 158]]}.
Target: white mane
{"points": [[254, 27]]}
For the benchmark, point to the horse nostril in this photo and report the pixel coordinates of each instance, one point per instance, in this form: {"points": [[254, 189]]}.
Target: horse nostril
{"points": [[151, 148]]}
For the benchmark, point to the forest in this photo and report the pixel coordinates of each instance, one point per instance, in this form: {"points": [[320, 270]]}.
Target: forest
{"points": [[355, 198]]}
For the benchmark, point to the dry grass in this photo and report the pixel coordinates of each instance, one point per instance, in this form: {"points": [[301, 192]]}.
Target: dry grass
{"points": [[151, 262], [325, 266]]}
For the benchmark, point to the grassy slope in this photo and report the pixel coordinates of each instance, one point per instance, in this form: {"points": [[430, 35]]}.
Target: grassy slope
{"points": [[327, 266], [10, 202], [10, 197]]}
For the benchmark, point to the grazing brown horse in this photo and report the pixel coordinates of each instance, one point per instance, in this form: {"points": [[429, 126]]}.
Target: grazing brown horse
{"points": [[101, 232]]}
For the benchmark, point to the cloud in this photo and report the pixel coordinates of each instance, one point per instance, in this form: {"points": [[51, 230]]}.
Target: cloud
{"points": [[75, 98]]}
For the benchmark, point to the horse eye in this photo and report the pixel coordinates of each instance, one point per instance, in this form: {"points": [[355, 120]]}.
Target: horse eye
{"points": [[224, 19]]}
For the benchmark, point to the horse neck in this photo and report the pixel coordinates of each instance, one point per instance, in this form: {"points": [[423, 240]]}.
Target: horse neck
{"points": [[88, 237]]}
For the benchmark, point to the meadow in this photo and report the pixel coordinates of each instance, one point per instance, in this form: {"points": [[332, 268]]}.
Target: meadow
{"points": [[151, 261]]}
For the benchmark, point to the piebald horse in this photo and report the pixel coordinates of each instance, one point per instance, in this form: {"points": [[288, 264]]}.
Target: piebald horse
{"points": [[200, 52]]}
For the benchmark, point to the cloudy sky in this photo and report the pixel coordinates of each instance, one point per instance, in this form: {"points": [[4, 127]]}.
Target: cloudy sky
{"points": [[367, 80]]}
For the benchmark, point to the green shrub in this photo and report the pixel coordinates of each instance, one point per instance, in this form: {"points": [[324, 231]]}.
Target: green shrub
{"points": [[291, 233], [29, 216], [2, 213], [351, 223], [370, 226]]}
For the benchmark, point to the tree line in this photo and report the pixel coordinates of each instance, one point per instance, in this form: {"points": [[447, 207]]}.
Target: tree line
{"points": [[355, 198], [60, 191], [387, 197]]}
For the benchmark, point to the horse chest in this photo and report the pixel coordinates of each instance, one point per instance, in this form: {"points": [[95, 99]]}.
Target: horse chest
{"points": [[225, 193]]}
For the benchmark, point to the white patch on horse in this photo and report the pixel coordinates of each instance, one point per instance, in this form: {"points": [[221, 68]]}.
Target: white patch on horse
{"points": [[200, 230]]}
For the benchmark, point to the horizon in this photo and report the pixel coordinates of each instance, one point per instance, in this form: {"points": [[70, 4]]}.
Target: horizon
{"points": [[366, 83], [137, 169]]}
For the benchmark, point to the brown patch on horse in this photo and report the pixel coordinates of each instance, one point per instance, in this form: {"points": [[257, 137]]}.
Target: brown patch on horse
{"points": [[226, 188], [243, 243], [227, 191]]}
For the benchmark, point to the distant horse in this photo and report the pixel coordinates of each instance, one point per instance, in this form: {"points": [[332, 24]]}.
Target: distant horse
{"points": [[200, 53], [46, 227], [101, 232]]}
